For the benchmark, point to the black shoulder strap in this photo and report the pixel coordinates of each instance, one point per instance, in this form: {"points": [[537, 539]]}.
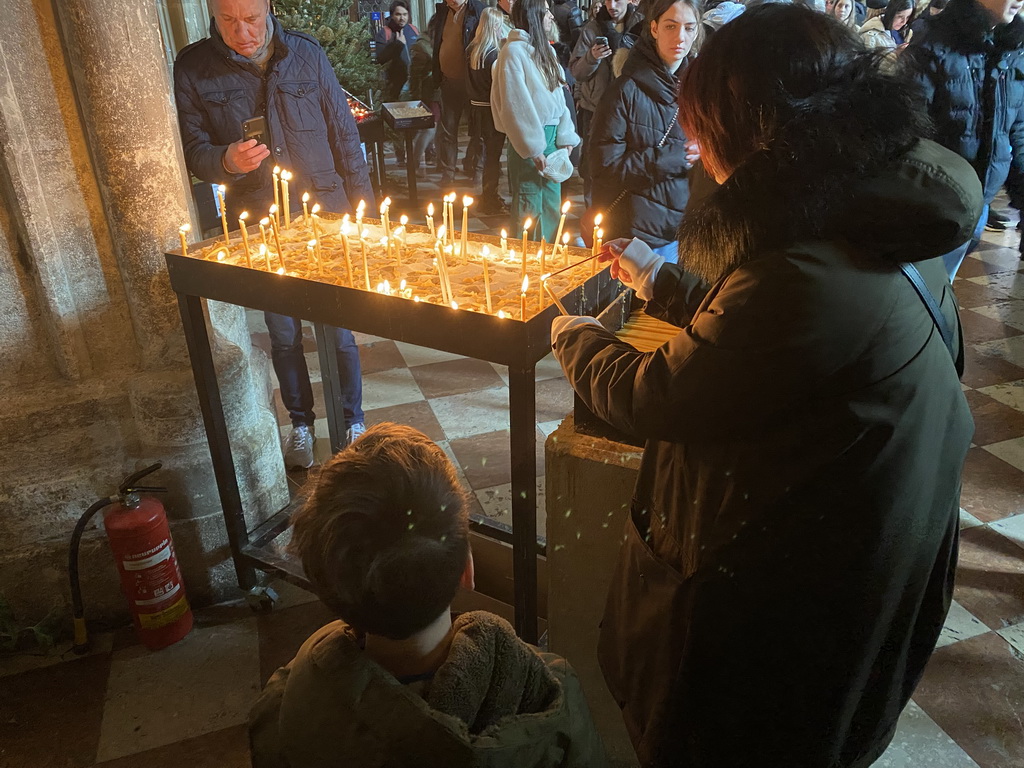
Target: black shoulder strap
{"points": [[921, 287]]}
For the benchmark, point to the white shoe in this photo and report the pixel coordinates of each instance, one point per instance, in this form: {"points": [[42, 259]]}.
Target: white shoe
{"points": [[298, 447], [355, 432]]}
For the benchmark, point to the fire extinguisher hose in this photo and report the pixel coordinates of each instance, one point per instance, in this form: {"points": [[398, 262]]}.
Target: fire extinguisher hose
{"points": [[81, 642]]}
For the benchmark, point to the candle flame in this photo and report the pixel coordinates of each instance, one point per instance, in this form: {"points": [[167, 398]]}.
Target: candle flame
{"points": [[416, 298], [221, 255], [600, 234], [383, 241], [597, 219], [273, 209], [485, 251], [402, 285], [361, 207], [365, 233], [566, 206], [466, 201], [440, 232], [312, 243], [526, 284], [315, 209], [263, 250], [387, 202], [185, 227], [277, 170], [280, 270], [387, 287], [455, 305], [243, 216], [430, 209], [221, 188], [380, 287], [544, 278], [565, 239], [527, 224], [286, 175], [265, 221], [403, 220], [344, 228], [504, 234], [305, 197], [501, 314]]}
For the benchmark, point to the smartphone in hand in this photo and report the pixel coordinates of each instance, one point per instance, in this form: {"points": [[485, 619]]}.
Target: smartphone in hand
{"points": [[255, 128], [601, 40]]}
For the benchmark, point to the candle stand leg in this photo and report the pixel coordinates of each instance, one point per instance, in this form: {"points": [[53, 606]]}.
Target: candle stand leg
{"points": [[326, 343], [197, 338], [410, 167], [523, 447]]}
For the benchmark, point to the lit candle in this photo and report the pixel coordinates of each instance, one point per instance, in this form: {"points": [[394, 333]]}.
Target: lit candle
{"points": [[245, 238], [454, 305], [504, 243], [221, 254], [311, 252], [277, 241], [597, 249], [366, 267], [448, 249], [264, 223], [384, 208], [399, 238], [404, 222], [430, 219], [345, 244], [439, 262], [540, 283], [464, 247], [561, 225], [305, 206], [451, 218], [522, 296], [314, 221], [274, 217], [360, 210], [565, 249], [597, 225], [526, 231], [485, 253], [385, 243], [285, 178], [265, 255], [223, 214], [182, 231], [277, 179]]}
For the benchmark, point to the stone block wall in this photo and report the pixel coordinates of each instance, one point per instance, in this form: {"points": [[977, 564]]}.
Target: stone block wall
{"points": [[94, 375]]}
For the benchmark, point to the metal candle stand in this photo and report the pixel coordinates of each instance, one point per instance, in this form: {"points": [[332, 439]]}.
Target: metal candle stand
{"points": [[511, 342]]}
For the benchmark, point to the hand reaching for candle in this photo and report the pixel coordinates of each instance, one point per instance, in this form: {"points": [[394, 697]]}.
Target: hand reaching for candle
{"points": [[634, 263], [245, 156]]}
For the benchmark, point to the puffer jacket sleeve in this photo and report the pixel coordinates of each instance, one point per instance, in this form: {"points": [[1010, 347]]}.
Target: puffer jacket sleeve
{"points": [[264, 728], [343, 136], [623, 163], [582, 64], [512, 105], [202, 157], [726, 372]]}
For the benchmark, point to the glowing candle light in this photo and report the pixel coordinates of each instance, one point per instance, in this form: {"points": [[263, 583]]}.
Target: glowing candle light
{"points": [[366, 267], [439, 262], [501, 314], [454, 305], [265, 255], [504, 243], [553, 295], [598, 237], [264, 223], [451, 218], [384, 208], [526, 231], [245, 238], [485, 254], [280, 270], [314, 221], [274, 218], [286, 176], [597, 224], [404, 223], [348, 253], [223, 214], [565, 249], [221, 254], [430, 219], [561, 225], [522, 296], [543, 270], [277, 180], [360, 210], [183, 230], [305, 206], [464, 247]]}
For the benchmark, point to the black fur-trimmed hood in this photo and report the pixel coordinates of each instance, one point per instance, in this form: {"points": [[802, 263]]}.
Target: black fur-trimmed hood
{"points": [[848, 164], [965, 25]]}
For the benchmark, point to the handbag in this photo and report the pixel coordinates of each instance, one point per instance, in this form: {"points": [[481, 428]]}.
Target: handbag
{"points": [[932, 305], [587, 219]]}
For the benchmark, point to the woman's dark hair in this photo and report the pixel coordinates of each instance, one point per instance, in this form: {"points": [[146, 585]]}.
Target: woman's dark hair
{"points": [[528, 15], [894, 7], [781, 78], [399, 4], [938, 4]]}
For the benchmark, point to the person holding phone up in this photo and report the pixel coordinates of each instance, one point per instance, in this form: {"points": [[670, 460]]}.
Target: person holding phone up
{"points": [[251, 68]]}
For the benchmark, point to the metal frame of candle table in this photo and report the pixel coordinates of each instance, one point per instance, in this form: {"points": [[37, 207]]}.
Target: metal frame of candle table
{"points": [[509, 342]]}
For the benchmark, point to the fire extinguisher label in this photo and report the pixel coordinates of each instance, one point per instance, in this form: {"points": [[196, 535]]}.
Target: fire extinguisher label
{"points": [[149, 560], [167, 616], [163, 594]]}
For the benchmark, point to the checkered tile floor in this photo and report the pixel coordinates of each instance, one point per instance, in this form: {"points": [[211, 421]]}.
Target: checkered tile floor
{"points": [[123, 707]]}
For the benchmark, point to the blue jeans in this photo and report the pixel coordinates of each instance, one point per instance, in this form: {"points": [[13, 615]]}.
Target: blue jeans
{"points": [[669, 252], [293, 376], [954, 259]]}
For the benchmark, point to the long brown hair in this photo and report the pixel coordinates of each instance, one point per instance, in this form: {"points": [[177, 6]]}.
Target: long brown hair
{"points": [[528, 15]]}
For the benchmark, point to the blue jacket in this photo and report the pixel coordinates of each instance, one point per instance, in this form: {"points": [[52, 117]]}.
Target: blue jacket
{"points": [[396, 57], [973, 81], [310, 127]]}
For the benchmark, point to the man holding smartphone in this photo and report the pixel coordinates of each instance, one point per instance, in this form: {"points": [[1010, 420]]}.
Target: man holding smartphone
{"points": [[251, 68]]}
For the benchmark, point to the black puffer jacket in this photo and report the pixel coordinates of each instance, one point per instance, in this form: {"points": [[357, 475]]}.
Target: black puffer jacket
{"points": [[639, 151]]}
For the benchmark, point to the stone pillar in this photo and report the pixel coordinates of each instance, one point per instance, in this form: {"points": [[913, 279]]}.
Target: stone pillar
{"points": [[589, 484], [93, 368]]}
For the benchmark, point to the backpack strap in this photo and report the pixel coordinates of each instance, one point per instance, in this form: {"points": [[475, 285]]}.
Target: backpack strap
{"points": [[932, 305]]}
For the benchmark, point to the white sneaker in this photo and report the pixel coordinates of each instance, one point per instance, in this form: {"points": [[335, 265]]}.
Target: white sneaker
{"points": [[298, 447], [355, 432]]}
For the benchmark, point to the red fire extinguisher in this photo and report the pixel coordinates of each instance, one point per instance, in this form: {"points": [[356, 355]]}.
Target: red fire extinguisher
{"points": [[140, 538]]}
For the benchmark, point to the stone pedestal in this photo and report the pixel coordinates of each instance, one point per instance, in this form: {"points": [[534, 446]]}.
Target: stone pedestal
{"points": [[94, 376], [589, 486]]}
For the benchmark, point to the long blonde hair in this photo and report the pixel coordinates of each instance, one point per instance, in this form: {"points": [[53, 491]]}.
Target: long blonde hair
{"points": [[490, 32]]}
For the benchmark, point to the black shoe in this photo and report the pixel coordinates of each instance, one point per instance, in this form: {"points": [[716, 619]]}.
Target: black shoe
{"points": [[996, 222], [493, 206]]}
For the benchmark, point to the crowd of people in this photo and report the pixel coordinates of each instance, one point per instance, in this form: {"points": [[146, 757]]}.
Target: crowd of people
{"points": [[792, 185]]}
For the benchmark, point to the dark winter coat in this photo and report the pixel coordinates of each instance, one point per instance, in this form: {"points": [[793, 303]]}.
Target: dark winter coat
{"points": [[639, 151], [311, 131], [569, 19], [470, 21], [479, 89], [592, 76], [395, 57], [495, 702], [789, 556], [973, 81]]}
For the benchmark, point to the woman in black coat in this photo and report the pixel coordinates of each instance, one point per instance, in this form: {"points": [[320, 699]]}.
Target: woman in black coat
{"points": [[638, 148]]}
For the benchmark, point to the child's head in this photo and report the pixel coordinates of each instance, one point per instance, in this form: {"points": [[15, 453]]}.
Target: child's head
{"points": [[384, 533]]}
